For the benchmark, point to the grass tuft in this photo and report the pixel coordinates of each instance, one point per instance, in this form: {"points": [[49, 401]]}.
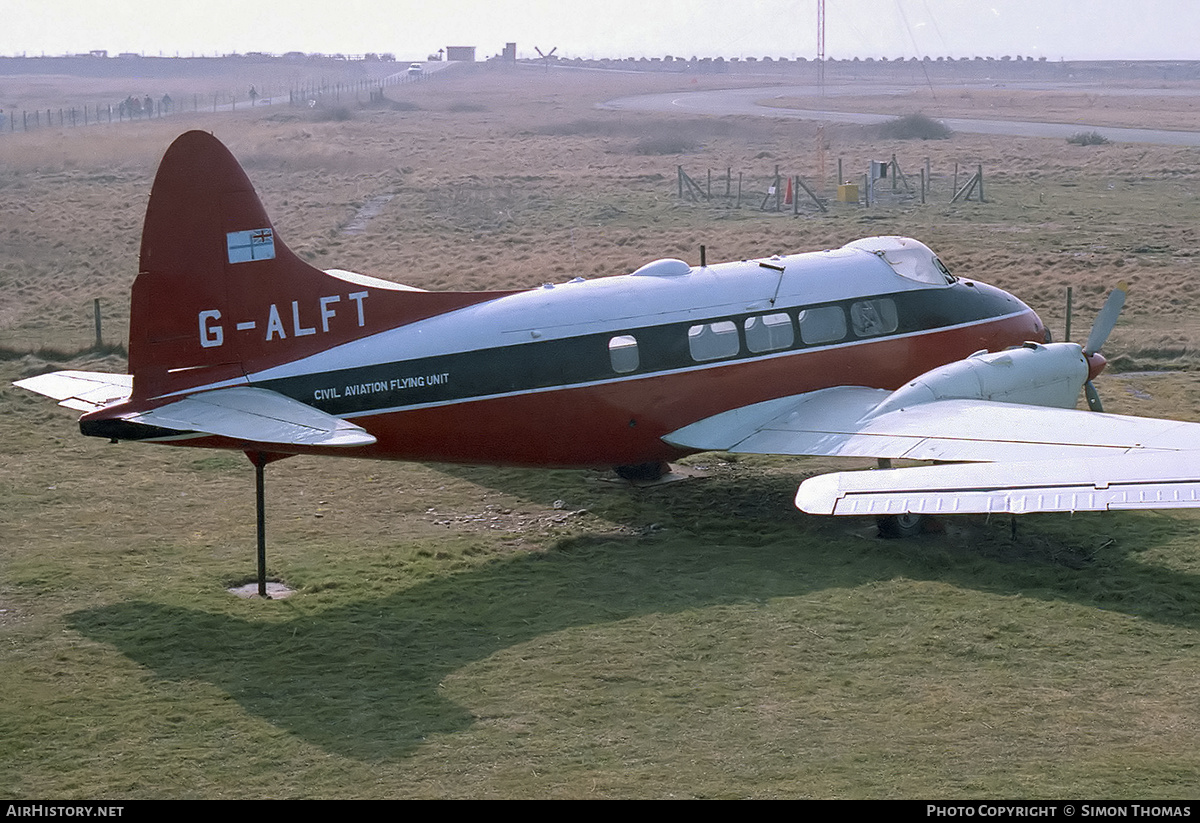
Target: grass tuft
{"points": [[1088, 138], [330, 114], [915, 127], [666, 143]]}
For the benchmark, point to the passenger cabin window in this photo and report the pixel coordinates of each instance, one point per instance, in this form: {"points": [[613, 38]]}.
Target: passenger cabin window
{"points": [[769, 332], [873, 317], [623, 353], [825, 324], [712, 341]]}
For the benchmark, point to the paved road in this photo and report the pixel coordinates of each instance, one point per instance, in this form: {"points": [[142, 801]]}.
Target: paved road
{"points": [[745, 102]]}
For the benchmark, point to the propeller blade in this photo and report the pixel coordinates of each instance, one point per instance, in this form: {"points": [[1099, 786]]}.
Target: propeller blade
{"points": [[1093, 397], [1106, 319]]}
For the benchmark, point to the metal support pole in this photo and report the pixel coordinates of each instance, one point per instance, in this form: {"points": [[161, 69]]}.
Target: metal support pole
{"points": [[260, 462]]}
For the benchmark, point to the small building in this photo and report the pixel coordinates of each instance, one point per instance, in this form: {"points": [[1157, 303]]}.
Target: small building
{"points": [[462, 54]]}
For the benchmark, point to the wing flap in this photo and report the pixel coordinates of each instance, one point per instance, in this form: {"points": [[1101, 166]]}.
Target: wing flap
{"points": [[256, 415], [1131, 481]]}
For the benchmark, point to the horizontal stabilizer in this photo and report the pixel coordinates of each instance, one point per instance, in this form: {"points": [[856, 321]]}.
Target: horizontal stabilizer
{"points": [[1134, 481], [255, 415], [80, 390]]}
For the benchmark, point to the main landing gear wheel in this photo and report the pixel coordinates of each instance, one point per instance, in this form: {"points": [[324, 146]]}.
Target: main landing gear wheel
{"points": [[901, 525], [642, 472]]}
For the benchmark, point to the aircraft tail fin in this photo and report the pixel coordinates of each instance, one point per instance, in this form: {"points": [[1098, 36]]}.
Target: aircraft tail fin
{"points": [[218, 294]]}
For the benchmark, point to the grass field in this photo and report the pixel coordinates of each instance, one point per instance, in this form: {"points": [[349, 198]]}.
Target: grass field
{"points": [[480, 632]]}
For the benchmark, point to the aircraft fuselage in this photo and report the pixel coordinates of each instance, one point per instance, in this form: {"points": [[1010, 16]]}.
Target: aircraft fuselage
{"points": [[594, 373]]}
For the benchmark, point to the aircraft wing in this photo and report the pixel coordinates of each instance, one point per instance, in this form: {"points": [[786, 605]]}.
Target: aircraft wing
{"points": [[1129, 481], [842, 422]]}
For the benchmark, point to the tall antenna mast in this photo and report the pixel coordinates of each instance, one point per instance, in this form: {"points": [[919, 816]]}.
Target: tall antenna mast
{"points": [[821, 46]]}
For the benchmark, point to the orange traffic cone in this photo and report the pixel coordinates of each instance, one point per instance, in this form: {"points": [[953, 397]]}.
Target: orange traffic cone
{"points": [[787, 198]]}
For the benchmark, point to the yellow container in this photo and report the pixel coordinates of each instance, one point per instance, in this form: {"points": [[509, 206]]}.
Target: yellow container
{"points": [[848, 193]]}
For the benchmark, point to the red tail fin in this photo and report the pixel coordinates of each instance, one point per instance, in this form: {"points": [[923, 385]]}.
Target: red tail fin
{"points": [[218, 295]]}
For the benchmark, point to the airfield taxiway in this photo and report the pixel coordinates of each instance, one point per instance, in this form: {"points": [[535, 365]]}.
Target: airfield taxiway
{"points": [[757, 102]]}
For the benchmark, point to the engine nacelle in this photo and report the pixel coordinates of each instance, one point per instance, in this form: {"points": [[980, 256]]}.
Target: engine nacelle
{"points": [[1034, 375]]}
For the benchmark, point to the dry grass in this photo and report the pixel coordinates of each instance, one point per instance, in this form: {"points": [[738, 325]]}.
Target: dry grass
{"points": [[1172, 106], [457, 632]]}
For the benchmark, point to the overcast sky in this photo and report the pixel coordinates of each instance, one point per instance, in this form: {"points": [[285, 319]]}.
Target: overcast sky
{"points": [[1054, 29]]}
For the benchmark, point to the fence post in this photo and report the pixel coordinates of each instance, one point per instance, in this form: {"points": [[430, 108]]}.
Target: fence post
{"points": [[96, 312], [1067, 334]]}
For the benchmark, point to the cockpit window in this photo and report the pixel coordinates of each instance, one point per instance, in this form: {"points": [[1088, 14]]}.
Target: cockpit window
{"points": [[911, 259], [869, 318]]}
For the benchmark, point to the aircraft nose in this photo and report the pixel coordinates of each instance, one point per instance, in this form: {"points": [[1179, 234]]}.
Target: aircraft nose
{"points": [[1096, 364]]}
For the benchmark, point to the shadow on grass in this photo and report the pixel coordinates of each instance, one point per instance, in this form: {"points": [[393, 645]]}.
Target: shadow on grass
{"points": [[363, 679]]}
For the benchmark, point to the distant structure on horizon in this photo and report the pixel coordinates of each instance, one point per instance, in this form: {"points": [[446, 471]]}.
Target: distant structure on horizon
{"points": [[461, 54]]}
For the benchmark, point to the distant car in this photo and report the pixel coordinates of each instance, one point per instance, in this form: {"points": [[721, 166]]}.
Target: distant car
{"points": [[415, 69]]}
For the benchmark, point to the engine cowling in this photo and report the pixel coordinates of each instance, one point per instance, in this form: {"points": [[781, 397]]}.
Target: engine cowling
{"points": [[1035, 374]]}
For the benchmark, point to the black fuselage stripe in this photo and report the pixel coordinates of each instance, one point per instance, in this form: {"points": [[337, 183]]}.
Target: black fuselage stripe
{"points": [[571, 361]]}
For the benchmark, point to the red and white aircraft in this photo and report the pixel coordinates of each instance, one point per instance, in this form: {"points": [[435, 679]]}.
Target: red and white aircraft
{"points": [[866, 350]]}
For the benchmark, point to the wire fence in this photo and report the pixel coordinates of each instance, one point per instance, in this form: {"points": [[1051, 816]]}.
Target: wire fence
{"points": [[140, 109]]}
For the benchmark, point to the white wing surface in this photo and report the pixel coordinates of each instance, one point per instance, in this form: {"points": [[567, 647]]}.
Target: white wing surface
{"points": [[241, 412], [256, 415], [80, 390], [1132, 481], [843, 422]]}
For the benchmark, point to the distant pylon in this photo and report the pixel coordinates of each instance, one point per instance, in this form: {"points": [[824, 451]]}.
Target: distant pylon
{"points": [[821, 45]]}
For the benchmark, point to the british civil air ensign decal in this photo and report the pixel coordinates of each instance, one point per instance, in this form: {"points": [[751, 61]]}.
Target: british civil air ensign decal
{"points": [[256, 244]]}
